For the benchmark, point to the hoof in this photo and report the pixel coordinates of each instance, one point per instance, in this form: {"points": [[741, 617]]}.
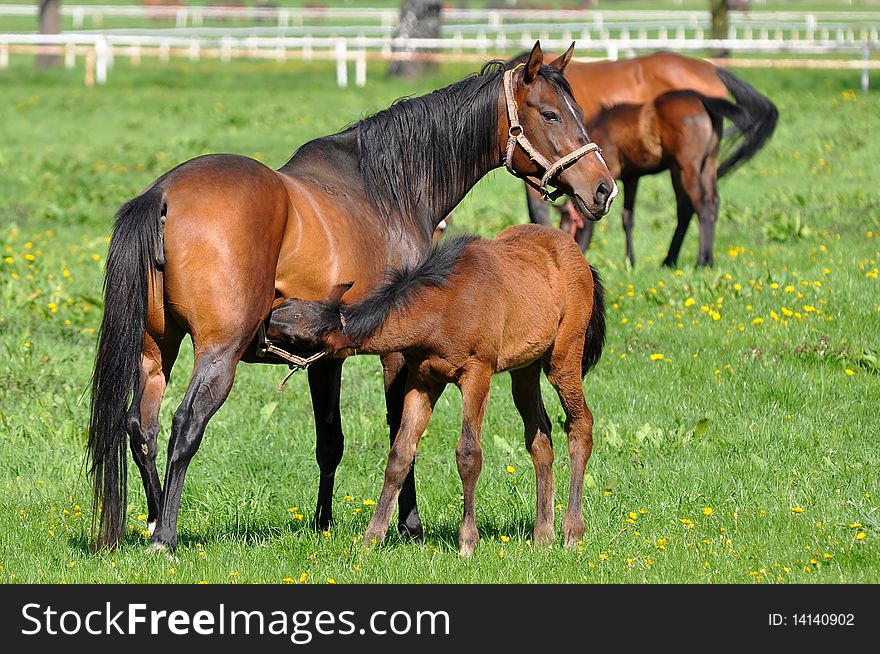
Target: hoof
{"points": [[164, 550], [543, 537], [467, 548], [412, 532]]}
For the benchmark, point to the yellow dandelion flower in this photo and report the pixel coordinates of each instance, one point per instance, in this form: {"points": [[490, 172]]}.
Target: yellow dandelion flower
{"points": [[501, 554], [860, 536], [796, 509], [510, 469], [172, 571], [505, 539], [757, 321], [633, 515], [348, 498], [687, 523], [369, 503], [649, 561], [288, 580], [690, 302], [827, 556], [850, 372], [707, 511], [656, 357], [331, 580], [855, 525], [737, 286], [303, 577], [603, 557]]}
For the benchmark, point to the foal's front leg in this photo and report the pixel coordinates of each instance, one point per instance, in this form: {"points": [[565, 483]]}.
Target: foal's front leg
{"points": [[469, 454], [418, 405]]}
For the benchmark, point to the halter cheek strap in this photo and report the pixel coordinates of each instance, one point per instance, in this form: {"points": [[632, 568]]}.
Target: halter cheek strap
{"points": [[516, 137]]}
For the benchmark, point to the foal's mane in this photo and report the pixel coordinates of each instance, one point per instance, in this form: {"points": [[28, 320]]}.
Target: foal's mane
{"points": [[367, 315]]}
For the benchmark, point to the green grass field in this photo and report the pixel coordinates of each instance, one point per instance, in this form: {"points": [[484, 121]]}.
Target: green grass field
{"points": [[736, 409]]}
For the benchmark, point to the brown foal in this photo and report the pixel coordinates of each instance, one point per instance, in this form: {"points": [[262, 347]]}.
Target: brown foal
{"points": [[523, 302]]}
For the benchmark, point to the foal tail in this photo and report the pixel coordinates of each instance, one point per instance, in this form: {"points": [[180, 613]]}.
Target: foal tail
{"points": [[594, 339], [755, 127], [133, 258]]}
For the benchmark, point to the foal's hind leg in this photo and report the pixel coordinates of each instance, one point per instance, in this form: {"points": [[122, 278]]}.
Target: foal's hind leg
{"points": [[211, 382], [685, 211], [526, 388], [143, 416], [325, 380], [565, 375], [395, 369]]}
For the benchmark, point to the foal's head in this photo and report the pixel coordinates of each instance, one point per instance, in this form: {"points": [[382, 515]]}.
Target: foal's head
{"points": [[310, 324], [554, 123]]}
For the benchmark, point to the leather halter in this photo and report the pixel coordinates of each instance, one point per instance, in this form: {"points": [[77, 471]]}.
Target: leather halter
{"points": [[516, 136]]}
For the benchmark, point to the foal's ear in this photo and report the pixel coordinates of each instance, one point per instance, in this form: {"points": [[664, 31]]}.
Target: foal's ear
{"points": [[339, 290], [533, 65], [562, 61]]}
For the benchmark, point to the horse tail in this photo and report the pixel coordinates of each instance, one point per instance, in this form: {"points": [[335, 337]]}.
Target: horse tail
{"points": [[755, 127], [133, 259], [594, 339]]}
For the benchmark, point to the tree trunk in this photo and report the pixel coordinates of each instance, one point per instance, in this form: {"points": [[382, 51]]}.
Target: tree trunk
{"points": [[50, 23], [719, 23], [419, 19]]}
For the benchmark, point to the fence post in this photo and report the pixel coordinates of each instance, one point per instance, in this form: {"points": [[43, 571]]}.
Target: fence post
{"points": [[865, 70], [341, 63], [4, 56], [90, 68], [101, 56], [611, 51], [360, 68], [70, 56]]}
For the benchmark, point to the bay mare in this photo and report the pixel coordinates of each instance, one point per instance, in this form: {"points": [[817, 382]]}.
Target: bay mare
{"points": [[213, 244]]}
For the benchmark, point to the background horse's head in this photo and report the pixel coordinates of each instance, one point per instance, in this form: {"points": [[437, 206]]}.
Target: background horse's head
{"points": [[554, 124]]}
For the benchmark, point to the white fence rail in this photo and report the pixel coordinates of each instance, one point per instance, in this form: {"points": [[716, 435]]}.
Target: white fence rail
{"points": [[100, 49]]}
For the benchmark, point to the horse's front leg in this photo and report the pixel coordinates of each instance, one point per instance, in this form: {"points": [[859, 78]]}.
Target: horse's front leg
{"points": [[325, 377], [418, 405], [408, 522]]}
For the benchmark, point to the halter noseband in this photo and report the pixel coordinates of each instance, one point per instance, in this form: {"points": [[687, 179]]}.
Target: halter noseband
{"points": [[516, 136]]}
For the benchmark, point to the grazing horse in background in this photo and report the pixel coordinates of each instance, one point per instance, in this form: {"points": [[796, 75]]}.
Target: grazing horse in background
{"points": [[212, 244], [680, 131], [523, 302], [602, 84]]}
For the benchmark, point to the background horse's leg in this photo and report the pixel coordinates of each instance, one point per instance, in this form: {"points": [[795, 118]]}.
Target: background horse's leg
{"points": [[143, 416], [564, 375], [325, 377], [395, 369], [539, 213], [526, 389], [706, 204], [474, 386], [211, 382], [418, 406], [685, 210], [629, 202]]}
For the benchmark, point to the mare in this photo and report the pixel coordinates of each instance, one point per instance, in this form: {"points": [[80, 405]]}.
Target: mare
{"points": [[602, 84], [210, 246], [524, 302]]}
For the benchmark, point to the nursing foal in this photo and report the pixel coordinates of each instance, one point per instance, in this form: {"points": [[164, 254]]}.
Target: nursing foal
{"points": [[523, 302]]}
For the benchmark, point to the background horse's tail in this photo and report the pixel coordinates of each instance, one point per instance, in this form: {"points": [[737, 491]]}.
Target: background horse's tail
{"points": [[135, 251], [755, 128], [595, 336]]}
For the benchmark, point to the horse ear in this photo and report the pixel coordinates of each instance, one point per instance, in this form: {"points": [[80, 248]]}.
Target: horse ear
{"points": [[533, 65], [562, 61], [339, 290]]}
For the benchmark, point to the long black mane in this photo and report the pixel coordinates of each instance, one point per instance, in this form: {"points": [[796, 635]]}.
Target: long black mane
{"points": [[367, 315], [421, 155]]}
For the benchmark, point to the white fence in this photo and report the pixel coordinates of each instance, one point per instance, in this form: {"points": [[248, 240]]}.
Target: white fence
{"points": [[101, 49]]}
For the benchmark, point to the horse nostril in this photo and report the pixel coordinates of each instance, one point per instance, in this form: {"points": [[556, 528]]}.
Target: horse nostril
{"points": [[602, 192]]}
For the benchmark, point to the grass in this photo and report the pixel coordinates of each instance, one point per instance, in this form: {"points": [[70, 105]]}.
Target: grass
{"points": [[745, 453]]}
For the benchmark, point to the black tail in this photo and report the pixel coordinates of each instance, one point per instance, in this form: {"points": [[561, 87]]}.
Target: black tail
{"points": [[131, 263], [755, 128], [595, 337]]}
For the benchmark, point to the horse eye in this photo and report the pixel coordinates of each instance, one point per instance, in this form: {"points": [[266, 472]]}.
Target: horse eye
{"points": [[550, 116]]}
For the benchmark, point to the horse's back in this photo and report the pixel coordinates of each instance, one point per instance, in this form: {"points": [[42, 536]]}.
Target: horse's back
{"points": [[607, 83]]}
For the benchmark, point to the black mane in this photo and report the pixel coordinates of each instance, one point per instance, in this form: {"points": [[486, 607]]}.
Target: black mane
{"points": [[367, 315], [421, 155]]}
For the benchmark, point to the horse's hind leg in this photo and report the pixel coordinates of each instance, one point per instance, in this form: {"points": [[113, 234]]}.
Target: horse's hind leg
{"points": [[526, 388], [325, 379], [211, 382], [564, 374], [705, 201], [143, 416], [685, 209], [395, 370]]}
